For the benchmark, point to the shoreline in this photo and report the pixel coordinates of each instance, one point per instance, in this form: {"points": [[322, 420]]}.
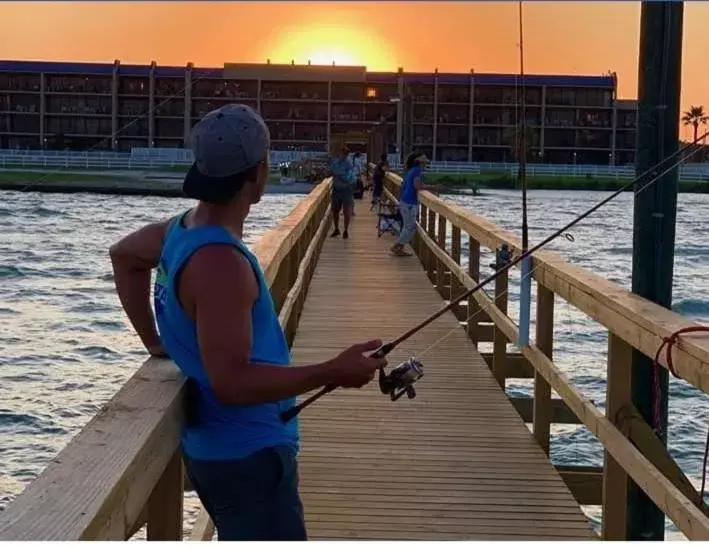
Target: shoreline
{"points": [[506, 182], [71, 183], [169, 185]]}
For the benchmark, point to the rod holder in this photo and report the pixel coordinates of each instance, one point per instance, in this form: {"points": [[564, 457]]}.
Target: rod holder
{"points": [[525, 300]]}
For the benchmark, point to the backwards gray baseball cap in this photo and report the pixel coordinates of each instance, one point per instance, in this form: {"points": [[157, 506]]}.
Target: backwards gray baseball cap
{"points": [[226, 142]]}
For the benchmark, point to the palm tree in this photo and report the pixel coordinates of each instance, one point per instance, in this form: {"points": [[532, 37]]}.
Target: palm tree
{"points": [[695, 117]]}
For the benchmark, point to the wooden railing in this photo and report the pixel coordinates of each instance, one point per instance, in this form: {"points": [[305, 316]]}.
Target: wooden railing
{"points": [[632, 450], [124, 468]]}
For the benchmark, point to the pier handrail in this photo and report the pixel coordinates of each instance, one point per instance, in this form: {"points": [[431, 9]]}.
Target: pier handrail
{"points": [[124, 467], [632, 449]]}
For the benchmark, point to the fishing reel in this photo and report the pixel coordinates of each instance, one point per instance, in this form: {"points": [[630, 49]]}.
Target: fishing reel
{"points": [[503, 256], [401, 379]]}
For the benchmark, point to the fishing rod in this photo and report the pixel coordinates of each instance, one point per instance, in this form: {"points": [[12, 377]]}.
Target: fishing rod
{"points": [[400, 380], [525, 295], [522, 170]]}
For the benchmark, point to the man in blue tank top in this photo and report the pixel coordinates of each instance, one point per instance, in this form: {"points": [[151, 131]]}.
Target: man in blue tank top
{"points": [[217, 321]]}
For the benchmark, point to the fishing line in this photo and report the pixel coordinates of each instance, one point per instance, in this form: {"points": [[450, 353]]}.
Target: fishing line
{"points": [[481, 309], [534, 268], [522, 142], [119, 130], [525, 294], [385, 349]]}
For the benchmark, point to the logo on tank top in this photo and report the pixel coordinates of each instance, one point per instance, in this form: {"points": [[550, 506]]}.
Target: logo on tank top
{"points": [[160, 289]]}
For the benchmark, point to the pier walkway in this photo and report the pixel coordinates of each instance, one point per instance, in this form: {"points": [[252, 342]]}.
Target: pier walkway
{"points": [[463, 460], [457, 462]]}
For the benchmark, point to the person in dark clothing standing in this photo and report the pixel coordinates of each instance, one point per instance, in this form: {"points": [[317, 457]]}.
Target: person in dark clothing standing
{"points": [[378, 179]]}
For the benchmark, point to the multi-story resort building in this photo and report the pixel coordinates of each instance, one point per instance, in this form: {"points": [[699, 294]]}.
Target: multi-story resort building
{"points": [[466, 117]]}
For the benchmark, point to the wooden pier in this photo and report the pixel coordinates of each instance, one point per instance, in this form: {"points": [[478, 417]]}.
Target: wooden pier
{"points": [[457, 462]]}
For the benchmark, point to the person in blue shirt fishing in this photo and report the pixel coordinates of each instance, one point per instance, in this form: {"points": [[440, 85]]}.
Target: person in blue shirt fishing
{"points": [[216, 320], [408, 200], [343, 187]]}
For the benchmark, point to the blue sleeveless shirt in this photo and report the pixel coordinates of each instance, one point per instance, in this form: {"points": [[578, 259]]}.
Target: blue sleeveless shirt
{"points": [[215, 431], [409, 194]]}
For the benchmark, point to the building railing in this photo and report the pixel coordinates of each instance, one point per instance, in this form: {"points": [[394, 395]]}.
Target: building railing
{"points": [[141, 159], [687, 172], [137, 159], [124, 468], [632, 450]]}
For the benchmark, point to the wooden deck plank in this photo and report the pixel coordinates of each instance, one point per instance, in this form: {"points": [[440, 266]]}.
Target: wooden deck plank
{"points": [[457, 462]]}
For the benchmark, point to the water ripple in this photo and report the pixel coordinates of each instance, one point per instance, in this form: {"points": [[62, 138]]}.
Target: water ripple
{"points": [[603, 244], [67, 345]]}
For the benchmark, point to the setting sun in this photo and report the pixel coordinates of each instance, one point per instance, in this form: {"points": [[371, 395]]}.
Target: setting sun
{"points": [[331, 55], [325, 43]]}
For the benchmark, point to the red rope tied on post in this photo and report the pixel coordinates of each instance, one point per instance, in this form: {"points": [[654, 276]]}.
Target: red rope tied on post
{"points": [[669, 342]]}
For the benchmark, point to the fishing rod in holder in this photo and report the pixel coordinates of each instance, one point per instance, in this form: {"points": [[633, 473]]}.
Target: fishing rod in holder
{"points": [[525, 288], [401, 379]]}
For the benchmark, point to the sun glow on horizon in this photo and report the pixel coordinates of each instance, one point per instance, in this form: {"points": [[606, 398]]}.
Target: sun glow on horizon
{"points": [[324, 43], [330, 56]]}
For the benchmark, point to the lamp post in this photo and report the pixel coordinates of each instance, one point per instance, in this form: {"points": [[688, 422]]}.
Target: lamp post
{"points": [[408, 123], [372, 146]]}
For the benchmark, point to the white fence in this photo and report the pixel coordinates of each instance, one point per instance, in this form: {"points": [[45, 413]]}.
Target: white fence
{"points": [[156, 159], [687, 172], [115, 161], [97, 163]]}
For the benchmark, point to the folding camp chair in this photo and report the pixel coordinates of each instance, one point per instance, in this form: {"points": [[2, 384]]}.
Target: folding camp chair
{"points": [[388, 219]]}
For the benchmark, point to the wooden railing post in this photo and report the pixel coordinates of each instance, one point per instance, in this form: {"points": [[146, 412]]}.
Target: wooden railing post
{"points": [[440, 268], [422, 250], [542, 389], [615, 479], [499, 345], [280, 287], [310, 234], [165, 502], [432, 260], [473, 306], [290, 275], [415, 242], [455, 287]]}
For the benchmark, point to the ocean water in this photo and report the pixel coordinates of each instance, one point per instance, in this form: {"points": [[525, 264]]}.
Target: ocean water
{"points": [[67, 346], [603, 244]]}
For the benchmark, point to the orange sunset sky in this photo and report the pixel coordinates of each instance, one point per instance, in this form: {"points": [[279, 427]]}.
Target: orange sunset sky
{"points": [[560, 37]]}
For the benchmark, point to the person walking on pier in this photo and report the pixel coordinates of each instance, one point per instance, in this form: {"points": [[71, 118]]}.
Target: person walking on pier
{"points": [[343, 184], [216, 320], [408, 201]]}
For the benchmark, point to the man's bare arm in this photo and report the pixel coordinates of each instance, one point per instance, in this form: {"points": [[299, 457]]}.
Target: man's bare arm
{"points": [[133, 258], [224, 288]]}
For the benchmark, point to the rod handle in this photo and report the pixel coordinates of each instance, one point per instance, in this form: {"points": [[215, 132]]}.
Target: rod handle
{"points": [[291, 413]]}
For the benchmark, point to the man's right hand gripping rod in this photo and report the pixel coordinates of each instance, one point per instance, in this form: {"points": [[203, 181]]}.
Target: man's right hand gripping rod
{"points": [[291, 413]]}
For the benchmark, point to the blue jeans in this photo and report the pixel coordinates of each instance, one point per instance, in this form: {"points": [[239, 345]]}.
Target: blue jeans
{"points": [[254, 498], [408, 216]]}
